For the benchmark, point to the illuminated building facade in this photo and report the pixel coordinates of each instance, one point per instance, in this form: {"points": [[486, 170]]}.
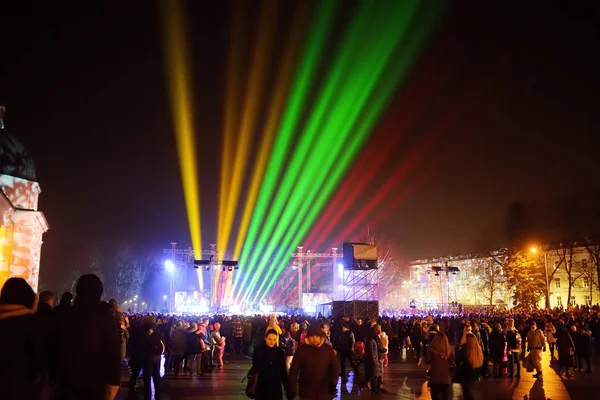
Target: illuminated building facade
{"points": [[440, 283], [480, 281], [584, 288], [21, 224]]}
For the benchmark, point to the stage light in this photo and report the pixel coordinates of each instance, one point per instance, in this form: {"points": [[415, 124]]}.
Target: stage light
{"points": [[169, 265], [165, 297]]}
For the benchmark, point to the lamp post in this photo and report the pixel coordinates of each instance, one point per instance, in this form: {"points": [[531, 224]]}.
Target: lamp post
{"points": [[534, 251]]}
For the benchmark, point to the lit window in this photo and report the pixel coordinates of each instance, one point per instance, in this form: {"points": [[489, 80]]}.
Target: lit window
{"points": [[559, 301], [572, 300], [586, 282], [557, 282]]}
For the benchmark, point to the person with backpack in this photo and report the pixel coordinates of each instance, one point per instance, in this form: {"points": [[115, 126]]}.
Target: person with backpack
{"points": [[289, 348], [513, 344]]}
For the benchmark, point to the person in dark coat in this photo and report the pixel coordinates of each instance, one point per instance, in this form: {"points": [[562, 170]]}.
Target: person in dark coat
{"points": [[583, 343], [566, 351], [374, 351], [269, 362], [497, 344], [315, 368], [344, 346], [22, 356], [87, 363]]}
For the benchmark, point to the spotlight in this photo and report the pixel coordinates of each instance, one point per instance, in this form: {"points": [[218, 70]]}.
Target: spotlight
{"points": [[229, 269], [169, 265]]}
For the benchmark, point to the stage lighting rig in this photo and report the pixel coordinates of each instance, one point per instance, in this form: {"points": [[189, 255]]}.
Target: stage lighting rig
{"points": [[228, 265]]}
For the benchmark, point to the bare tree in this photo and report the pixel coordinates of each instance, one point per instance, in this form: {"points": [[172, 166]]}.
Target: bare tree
{"points": [[388, 263], [492, 270], [565, 253], [593, 250], [587, 272]]}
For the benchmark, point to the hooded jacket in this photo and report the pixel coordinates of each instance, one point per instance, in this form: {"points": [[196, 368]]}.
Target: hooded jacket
{"points": [[315, 368]]}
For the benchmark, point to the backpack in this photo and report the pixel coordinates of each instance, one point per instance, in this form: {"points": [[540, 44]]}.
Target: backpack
{"points": [[519, 342], [290, 347], [359, 349]]}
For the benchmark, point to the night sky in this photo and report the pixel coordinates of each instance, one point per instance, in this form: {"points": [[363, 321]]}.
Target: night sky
{"points": [[86, 93]]}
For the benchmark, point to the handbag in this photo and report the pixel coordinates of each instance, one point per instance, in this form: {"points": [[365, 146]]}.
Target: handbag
{"points": [[252, 380]]}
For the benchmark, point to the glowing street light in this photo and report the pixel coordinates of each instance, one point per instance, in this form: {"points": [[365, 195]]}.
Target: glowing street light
{"points": [[165, 297], [170, 267], [534, 250]]}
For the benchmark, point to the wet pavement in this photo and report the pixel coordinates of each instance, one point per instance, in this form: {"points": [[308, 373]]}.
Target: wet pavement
{"points": [[402, 379]]}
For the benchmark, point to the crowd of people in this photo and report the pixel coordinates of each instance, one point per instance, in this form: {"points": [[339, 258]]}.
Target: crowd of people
{"points": [[79, 348]]}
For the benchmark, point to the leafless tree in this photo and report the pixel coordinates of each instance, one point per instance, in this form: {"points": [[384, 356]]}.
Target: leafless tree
{"points": [[565, 253], [390, 273], [492, 270], [593, 250]]}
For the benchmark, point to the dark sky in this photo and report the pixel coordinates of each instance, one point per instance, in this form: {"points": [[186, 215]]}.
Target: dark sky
{"points": [[86, 93]]}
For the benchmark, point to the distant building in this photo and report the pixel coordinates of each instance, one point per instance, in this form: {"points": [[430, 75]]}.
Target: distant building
{"points": [[21, 224], [584, 290], [442, 283]]}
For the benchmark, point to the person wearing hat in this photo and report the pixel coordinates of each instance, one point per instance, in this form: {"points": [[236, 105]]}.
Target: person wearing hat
{"points": [[315, 368], [22, 361]]}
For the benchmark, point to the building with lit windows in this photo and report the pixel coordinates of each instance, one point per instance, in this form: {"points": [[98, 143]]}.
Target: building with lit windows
{"points": [[479, 279], [442, 283], [584, 280]]}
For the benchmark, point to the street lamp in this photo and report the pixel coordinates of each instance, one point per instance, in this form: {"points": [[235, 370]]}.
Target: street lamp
{"points": [[534, 251]]}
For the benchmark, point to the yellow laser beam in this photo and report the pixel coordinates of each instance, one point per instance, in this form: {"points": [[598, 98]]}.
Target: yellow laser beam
{"points": [[254, 92], [252, 101], [230, 123], [177, 67], [282, 84]]}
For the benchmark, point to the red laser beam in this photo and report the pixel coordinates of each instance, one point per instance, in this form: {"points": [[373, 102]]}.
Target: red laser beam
{"points": [[411, 103]]}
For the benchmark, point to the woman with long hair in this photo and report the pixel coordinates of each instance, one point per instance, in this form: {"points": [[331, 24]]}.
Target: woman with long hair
{"points": [[439, 357], [472, 360], [269, 363]]}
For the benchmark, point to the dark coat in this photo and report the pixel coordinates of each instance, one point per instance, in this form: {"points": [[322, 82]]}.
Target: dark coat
{"points": [[439, 370], [87, 352], [178, 342], [22, 361], [566, 348], [269, 363], [497, 346], [316, 369], [374, 350], [583, 343]]}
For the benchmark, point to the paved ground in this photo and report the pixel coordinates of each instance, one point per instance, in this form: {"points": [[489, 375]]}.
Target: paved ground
{"points": [[403, 380]]}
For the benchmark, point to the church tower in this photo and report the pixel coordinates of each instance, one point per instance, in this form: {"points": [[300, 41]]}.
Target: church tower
{"points": [[21, 224]]}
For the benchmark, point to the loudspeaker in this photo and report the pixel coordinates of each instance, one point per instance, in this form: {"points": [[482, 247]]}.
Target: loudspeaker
{"points": [[359, 256]]}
